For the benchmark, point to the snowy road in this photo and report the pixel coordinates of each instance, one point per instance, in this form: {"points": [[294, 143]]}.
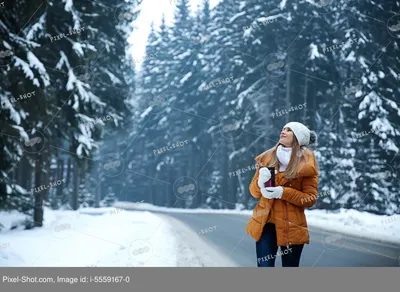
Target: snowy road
{"points": [[226, 233]]}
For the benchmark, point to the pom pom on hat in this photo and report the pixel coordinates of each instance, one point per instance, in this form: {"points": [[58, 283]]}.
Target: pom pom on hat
{"points": [[313, 137]]}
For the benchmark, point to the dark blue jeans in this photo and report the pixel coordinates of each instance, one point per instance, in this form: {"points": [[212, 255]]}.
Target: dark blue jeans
{"points": [[266, 250]]}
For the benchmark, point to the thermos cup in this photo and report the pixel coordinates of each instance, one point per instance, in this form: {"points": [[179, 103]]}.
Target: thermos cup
{"points": [[271, 181]]}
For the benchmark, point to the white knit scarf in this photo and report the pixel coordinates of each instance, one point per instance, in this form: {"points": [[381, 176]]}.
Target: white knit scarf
{"points": [[283, 154]]}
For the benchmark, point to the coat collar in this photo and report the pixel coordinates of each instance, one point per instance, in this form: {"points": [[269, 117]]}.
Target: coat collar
{"points": [[307, 167]]}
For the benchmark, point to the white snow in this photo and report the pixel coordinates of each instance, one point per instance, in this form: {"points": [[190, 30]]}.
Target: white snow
{"points": [[71, 79], [186, 77], [363, 61], [35, 63], [351, 57], [183, 55], [63, 60], [79, 150], [27, 70], [345, 221], [382, 228], [372, 77], [6, 45], [90, 47], [394, 74], [68, 5], [117, 237], [146, 112], [114, 79], [86, 137], [77, 47], [163, 120], [247, 32], [9, 219], [270, 18], [69, 8], [314, 51], [19, 189], [14, 115], [21, 131], [38, 26], [236, 16], [100, 237]]}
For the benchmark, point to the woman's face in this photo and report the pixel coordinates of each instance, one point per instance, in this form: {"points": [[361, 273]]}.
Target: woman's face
{"points": [[286, 138]]}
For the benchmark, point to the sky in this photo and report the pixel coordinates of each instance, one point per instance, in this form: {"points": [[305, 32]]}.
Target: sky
{"points": [[152, 10]]}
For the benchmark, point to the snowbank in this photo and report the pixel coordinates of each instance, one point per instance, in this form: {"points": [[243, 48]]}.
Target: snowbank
{"points": [[10, 219], [361, 224], [95, 237], [350, 222]]}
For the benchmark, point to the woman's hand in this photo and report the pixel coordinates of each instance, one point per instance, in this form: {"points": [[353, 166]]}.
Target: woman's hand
{"points": [[272, 192], [263, 177]]}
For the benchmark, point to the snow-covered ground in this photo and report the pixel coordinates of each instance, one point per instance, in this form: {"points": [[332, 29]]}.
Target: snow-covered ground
{"points": [[350, 222], [113, 237], [102, 237]]}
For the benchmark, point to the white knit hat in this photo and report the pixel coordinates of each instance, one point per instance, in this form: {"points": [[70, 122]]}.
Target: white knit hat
{"points": [[302, 133]]}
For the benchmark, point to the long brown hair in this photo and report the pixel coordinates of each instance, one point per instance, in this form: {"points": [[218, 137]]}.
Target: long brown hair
{"points": [[298, 155]]}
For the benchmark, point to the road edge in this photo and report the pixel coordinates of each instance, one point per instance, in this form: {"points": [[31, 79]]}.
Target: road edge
{"points": [[188, 239]]}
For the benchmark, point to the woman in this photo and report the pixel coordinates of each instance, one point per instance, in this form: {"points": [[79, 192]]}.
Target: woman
{"points": [[278, 218]]}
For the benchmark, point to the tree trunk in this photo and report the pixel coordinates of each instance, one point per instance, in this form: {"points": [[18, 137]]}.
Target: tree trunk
{"points": [[68, 173], [288, 87], [197, 166], [25, 177], [224, 170], [231, 182], [54, 199], [60, 176], [170, 196], [83, 197], [313, 108], [193, 168], [98, 191], [179, 202], [47, 175], [150, 196], [75, 192], [38, 209], [304, 118]]}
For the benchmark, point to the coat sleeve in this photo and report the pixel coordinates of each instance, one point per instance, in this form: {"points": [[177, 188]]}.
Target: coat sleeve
{"points": [[308, 195], [253, 187]]}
